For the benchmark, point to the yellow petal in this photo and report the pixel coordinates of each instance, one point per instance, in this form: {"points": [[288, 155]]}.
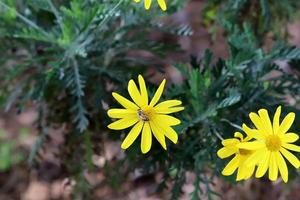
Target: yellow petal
{"points": [[290, 157], [265, 119], [249, 172], [158, 93], [168, 104], [146, 138], [291, 147], [258, 123], [147, 4], [134, 93], [255, 158], [226, 152], [251, 145], [282, 167], [121, 113], [169, 132], [144, 93], [273, 169], [286, 123], [125, 102], [276, 120], [241, 173], [263, 165], [132, 135], [290, 137], [244, 171], [123, 123], [162, 4], [168, 110], [167, 107], [253, 133], [231, 166], [158, 135], [239, 135], [230, 142], [167, 120]]}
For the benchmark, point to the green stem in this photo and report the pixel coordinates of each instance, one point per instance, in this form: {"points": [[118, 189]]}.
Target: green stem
{"points": [[57, 16]]}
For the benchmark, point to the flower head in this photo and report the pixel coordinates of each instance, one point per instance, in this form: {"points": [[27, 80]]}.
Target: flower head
{"points": [[147, 4], [240, 156], [271, 145], [146, 117]]}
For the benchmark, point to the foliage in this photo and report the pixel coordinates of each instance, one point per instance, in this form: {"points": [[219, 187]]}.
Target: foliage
{"points": [[67, 57], [265, 16], [10, 155]]}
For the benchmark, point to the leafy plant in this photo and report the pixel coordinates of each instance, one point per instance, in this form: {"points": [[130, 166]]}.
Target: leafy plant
{"points": [[69, 55], [10, 155]]}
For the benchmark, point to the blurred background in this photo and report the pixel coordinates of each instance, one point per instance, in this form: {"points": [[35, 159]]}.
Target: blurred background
{"points": [[43, 157]]}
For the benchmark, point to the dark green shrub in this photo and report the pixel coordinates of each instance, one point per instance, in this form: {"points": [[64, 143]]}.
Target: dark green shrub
{"points": [[69, 55]]}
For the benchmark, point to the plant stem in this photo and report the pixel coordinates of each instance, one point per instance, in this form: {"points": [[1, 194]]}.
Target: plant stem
{"points": [[55, 12]]}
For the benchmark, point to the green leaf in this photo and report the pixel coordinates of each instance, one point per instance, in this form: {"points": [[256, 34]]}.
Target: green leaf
{"points": [[233, 97]]}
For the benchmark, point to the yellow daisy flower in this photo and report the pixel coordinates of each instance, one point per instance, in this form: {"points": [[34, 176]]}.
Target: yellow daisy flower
{"points": [[272, 144], [238, 162], [147, 4], [145, 117]]}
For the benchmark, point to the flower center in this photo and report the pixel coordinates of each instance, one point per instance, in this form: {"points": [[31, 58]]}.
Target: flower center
{"points": [[273, 143], [244, 152], [145, 114]]}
